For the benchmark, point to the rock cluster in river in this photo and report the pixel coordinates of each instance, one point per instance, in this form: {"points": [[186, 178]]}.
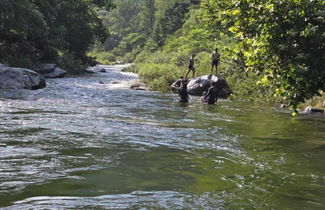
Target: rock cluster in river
{"points": [[50, 71], [198, 85], [22, 78]]}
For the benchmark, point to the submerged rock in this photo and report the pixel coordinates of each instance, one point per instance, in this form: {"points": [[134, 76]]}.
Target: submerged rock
{"points": [[20, 78]]}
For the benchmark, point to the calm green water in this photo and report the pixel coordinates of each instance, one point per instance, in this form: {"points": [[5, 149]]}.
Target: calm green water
{"points": [[91, 143]]}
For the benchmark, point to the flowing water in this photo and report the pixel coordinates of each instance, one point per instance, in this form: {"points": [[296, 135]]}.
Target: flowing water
{"points": [[92, 143]]}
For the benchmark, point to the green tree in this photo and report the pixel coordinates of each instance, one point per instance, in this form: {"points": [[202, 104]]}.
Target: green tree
{"points": [[170, 17], [43, 30], [23, 33], [122, 20], [147, 16], [280, 40]]}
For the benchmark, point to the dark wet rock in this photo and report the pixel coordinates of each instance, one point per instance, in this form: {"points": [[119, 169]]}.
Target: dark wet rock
{"points": [[20, 78], [312, 110], [139, 86], [56, 73], [44, 68], [198, 85], [96, 70], [50, 71], [90, 71], [283, 106]]}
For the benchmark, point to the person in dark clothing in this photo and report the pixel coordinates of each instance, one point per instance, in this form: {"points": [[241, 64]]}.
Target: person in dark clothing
{"points": [[191, 66], [211, 97], [174, 87], [215, 61], [182, 91]]}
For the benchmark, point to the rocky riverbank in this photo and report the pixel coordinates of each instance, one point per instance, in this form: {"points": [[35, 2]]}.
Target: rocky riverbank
{"points": [[30, 79]]}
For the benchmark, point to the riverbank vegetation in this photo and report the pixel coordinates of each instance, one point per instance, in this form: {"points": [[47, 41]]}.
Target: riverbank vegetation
{"points": [[271, 51]]}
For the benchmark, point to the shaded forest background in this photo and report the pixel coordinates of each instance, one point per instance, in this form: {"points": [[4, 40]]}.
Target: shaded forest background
{"points": [[272, 50]]}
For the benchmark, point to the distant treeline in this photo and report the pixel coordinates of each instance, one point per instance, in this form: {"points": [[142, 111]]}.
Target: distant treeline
{"points": [[136, 25]]}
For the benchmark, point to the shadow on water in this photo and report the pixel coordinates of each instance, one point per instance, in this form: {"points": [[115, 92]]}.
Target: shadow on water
{"points": [[92, 143]]}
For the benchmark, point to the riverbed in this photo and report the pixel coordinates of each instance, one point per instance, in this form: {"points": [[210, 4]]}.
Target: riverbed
{"points": [[90, 142]]}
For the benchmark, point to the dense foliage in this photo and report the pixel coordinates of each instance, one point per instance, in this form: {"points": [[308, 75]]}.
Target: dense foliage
{"points": [[39, 31], [271, 49], [281, 40], [140, 24]]}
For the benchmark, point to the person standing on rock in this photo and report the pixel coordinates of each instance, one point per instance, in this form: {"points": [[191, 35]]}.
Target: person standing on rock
{"points": [[215, 61], [191, 66]]}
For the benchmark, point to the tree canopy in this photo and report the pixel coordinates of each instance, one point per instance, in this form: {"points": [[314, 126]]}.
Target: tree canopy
{"points": [[281, 40], [273, 47], [43, 30]]}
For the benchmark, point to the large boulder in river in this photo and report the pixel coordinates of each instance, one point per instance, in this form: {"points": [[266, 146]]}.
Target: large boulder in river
{"points": [[50, 71], [20, 78], [198, 85]]}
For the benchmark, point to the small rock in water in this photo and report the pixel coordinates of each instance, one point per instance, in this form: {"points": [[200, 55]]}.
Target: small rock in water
{"points": [[310, 110], [90, 71], [283, 106], [103, 70], [56, 73], [138, 86]]}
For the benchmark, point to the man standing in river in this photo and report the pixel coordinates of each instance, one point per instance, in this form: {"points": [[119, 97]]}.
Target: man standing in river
{"points": [[176, 85], [215, 61], [182, 91]]}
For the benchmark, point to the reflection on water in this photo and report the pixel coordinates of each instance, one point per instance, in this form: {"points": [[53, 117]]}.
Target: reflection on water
{"points": [[92, 143]]}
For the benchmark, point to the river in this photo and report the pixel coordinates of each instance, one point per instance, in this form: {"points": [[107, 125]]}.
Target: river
{"points": [[90, 142]]}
